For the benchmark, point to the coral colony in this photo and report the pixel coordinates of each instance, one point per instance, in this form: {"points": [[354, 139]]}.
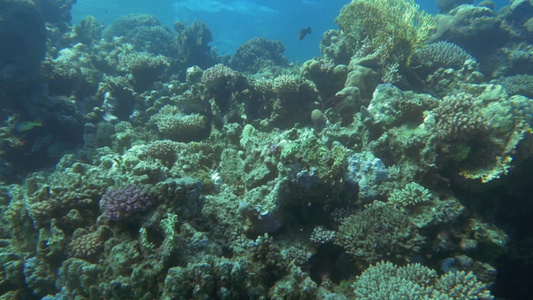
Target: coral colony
{"points": [[138, 163]]}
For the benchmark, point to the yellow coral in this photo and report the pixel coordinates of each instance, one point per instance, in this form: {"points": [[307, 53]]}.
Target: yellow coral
{"points": [[395, 28], [502, 164], [501, 167]]}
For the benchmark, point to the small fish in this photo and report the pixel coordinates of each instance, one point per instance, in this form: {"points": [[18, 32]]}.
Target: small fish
{"points": [[27, 125], [304, 32]]}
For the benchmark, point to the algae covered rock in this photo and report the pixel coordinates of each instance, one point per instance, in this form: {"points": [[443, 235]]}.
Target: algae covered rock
{"points": [[469, 25], [391, 106]]}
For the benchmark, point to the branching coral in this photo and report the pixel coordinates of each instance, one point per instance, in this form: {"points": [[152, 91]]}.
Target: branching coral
{"points": [[414, 281], [459, 118], [440, 55], [164, 150], [173, 124], [378, 232], [393, 27], [412, 194]]}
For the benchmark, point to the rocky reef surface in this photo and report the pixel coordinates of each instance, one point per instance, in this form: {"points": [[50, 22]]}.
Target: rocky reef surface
{"points": [[137, 163]]}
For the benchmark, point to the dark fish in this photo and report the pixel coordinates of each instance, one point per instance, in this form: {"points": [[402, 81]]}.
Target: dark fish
{"points": [[304, 32]]}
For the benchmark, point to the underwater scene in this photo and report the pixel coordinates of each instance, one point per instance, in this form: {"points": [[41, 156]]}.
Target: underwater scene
{"points": [[266, 149]]}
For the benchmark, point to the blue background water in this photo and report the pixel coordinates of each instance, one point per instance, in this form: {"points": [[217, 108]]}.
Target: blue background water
{"points": [[236, 21]]}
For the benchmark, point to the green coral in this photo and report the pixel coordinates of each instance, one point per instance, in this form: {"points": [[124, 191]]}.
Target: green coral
{"points": [[177, 126], [378, 232], [414, 281], [412, 194], [394, 27]]}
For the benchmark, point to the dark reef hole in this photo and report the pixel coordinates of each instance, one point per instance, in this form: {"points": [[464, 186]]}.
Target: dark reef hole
{"points": [[331, 262], [311, 210], [509, 206], [514, 214]]}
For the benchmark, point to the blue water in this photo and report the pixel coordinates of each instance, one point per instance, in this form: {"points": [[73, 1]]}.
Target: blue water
{"points": [[236, 21], [233, 22]]}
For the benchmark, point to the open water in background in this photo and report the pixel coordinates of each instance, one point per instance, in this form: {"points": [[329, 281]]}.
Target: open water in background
{"points": [[234, 22]]}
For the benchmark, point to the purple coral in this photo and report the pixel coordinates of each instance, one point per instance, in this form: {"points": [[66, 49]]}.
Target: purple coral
{"points": [[118, 204]]}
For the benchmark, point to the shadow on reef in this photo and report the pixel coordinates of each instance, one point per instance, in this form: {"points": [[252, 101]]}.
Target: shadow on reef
{"points": [[515, 268]]}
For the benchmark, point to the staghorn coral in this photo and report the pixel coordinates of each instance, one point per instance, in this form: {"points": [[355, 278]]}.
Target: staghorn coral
{"points": [[414, 281], [377, 232], [459, 118], [396, 28], [412, 194], [439, 55], [321, 235], [462, 285]]}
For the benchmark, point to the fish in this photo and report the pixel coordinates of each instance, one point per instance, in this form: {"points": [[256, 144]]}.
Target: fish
{"points": [[303, 32], [27, 125]]}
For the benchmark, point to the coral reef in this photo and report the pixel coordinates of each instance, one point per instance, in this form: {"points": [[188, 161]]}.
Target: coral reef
{"points": [[258, 54], [122, 203], [388, 281], [394, 28], [136, 163], [376, 233], [439, 55], [447, 5]]}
